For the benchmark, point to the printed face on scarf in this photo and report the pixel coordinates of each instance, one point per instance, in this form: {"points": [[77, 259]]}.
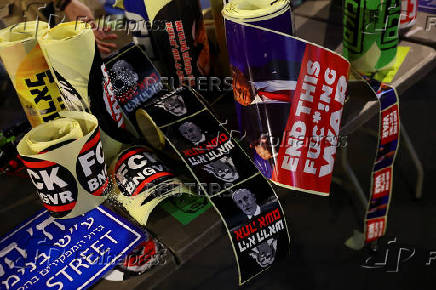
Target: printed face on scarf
{"points": [[123, 77], [191, 132], [246, 201], [223, 169], [174, 105], [265, 252]]}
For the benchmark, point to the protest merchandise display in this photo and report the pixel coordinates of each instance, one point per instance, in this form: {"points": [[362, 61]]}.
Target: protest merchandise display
{"points": [[290, 95], [104, 142], [29, 72], [46, 253], [371, 33], [247, 204], [65, 162]]}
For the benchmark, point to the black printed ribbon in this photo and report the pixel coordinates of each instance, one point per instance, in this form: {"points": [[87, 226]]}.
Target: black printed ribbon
{"points": [[246, 202]]}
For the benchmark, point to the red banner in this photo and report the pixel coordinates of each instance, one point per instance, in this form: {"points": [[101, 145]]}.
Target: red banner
{"points": [[307, 153]]}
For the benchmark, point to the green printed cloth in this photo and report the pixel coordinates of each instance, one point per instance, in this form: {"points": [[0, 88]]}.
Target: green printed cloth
{"points": [[371, 33], [186, 208]]}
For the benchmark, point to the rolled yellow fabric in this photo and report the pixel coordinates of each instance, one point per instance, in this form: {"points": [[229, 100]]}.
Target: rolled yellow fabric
{"points": [[53, 133], [65, 162], [29, 72], [78, 70], [255, 10], [69, 49]]}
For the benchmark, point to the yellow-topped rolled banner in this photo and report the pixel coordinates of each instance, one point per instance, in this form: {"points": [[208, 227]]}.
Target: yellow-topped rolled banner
{"points": [[269, 14], [29, 72], [65, 161], [69, 49], [75, 62]]}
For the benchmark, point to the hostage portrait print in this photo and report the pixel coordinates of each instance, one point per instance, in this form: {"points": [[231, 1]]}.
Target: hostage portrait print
{"points": [[167, 107], [211, 153], [256, 222]]}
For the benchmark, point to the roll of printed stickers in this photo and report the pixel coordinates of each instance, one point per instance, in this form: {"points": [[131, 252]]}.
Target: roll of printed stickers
{"points": [[133, 82], [290, 95], [179, 121], [370, 43], [65, 161], [383, 169], [247, 204]]}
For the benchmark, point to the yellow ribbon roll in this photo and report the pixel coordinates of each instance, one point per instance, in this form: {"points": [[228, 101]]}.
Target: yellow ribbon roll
{"points": [[79, 72], [69, 49], [65, 161], [29, 72], [43, 137]]}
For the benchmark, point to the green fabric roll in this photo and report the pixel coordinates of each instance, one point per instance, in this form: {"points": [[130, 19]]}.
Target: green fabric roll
{"points": [[371, 33]]}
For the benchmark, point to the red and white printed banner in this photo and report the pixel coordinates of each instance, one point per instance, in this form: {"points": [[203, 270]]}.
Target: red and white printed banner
{"points": [[308, 149], [382, 173]]}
